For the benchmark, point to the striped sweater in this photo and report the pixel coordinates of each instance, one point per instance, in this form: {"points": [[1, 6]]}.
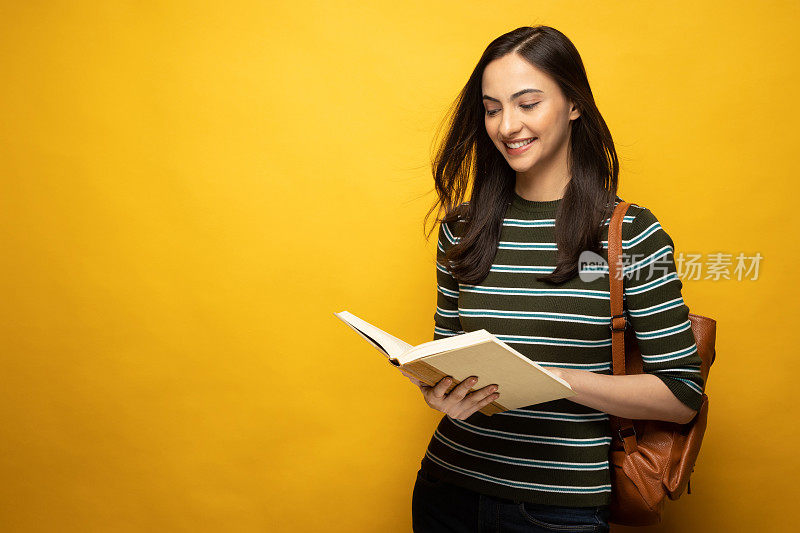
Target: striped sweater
{"points": [[556, 453]]}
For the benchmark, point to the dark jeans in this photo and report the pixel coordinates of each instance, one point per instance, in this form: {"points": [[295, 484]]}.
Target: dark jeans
{"points": [[439, 506]]}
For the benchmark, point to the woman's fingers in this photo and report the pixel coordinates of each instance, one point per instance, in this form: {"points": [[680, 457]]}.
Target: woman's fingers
{"points": [[477, 401], [435, 396], [459, 403], [462, 389], [438, 391]]}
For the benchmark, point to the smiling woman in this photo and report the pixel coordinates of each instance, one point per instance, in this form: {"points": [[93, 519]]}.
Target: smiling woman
{"points": [[530, 120], [526, 134]]}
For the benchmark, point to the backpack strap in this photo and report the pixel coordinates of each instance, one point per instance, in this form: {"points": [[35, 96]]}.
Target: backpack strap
{"points": [[618, 325]]}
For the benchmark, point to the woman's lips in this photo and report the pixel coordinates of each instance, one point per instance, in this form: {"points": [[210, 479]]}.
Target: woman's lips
{"points": [[521, 149]]}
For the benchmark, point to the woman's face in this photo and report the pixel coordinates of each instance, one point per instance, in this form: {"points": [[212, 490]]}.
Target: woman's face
{"points": [[523, 103]]}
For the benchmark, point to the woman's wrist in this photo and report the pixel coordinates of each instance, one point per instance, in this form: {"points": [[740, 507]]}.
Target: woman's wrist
{"points": [[558, 372]]}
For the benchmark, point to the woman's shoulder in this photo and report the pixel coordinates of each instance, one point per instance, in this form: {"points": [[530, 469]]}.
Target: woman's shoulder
{"points": [[636, 212], [640, 223]]}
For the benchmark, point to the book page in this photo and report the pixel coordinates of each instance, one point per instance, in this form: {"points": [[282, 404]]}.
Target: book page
{"points": [[444, 345], [390, 345]]}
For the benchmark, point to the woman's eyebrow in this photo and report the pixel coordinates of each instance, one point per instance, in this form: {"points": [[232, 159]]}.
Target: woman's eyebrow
{"points": [[515, 95]]}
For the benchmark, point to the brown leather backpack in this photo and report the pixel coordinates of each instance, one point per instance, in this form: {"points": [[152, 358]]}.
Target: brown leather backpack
{"points": [[651, 460]]}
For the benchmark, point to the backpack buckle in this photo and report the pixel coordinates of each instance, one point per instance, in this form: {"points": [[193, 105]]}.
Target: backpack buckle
{"points": [[611, 325], [628, 432]]}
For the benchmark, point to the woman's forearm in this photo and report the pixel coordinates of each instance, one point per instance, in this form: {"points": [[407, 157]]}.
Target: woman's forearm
{"points": [[634, 396]]}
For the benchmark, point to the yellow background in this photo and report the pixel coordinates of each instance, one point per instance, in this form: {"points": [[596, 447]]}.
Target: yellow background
{"points": [[191, 189]]}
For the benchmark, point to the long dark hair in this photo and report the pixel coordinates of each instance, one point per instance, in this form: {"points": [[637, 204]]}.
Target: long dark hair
{"points": [[467, 154]]}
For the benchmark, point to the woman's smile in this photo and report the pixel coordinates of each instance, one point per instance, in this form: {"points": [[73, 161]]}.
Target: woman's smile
{"points": [[519, 147]]}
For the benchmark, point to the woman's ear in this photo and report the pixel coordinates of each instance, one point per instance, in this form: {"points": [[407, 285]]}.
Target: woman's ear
{"points": [[574, 112]]}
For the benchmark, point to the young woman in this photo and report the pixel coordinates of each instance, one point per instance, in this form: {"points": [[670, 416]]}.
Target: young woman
{"points": [[526, 134]]}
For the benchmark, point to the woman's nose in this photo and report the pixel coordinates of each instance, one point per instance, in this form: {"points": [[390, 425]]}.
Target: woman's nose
{"points": [[509, 125]]}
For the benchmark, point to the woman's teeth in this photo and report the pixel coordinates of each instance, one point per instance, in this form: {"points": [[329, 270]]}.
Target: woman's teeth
{"points": [[520, 144]]}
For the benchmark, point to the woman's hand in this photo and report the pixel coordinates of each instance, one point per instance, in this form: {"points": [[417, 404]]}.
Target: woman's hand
{"points": [[458, 404]]}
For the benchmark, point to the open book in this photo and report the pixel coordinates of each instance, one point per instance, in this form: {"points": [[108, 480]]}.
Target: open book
{"points": [[520, 381]]}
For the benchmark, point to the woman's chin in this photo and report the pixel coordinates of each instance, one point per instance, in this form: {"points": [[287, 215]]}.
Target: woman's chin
{"points": [[520, 166]]}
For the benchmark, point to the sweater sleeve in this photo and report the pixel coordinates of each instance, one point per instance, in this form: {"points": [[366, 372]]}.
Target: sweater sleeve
{"points": [[656, 310], [446, 320]]}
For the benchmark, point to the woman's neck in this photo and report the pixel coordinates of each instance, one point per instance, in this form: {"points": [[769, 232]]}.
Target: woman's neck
{"points": [[541, 190], [544, 182]]}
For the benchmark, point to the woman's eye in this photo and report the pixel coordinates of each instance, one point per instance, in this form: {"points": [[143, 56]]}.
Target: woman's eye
{"points": [[493, 112]]}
